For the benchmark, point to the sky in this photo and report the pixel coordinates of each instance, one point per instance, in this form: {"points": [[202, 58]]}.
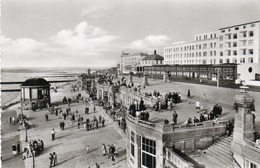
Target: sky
{"points": [[93, 33]]}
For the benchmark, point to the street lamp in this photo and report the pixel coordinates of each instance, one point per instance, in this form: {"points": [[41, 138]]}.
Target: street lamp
{"points": [[33, 158]]}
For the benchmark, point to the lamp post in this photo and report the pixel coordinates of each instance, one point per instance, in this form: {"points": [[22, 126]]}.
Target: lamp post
{"points": [[33, 158]]}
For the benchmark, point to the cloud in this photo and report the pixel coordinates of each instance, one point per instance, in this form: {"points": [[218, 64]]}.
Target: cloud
{"points": [[84, 38], [150, 42], [83, 43]]}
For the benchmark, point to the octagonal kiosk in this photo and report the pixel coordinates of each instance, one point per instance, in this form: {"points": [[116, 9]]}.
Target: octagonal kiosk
{"points": [[35, 93]]}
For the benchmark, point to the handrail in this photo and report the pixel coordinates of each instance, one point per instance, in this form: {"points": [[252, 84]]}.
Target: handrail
{"points": [[175, 161]]}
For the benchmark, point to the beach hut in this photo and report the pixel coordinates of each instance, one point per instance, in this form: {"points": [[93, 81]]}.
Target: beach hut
{"points": [[35, 93]]}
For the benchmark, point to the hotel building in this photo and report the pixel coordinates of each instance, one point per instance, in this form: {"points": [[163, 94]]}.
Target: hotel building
{"points": [[237, 44], [131, 62]]}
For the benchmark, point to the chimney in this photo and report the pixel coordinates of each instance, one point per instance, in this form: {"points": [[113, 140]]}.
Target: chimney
{"points": [[154, 52]]}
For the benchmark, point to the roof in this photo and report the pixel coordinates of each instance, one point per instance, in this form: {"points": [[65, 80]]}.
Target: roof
{"points": [[35, 82], [153, 57]]}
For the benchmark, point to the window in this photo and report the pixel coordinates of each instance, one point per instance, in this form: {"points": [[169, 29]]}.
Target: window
{"points": [[242, 60], [132, 143], [243, 34], [250, 42], [250, 59], [251, 34], [221, 53], [251, 51], [221, 45], [244, 52], [148, 153], [227, 60], [220, 61], [252, 25], [235, 52], [234, 36], [249, 164], [220, 38], [237, 28], [235, 44], [234, 60], [222, 31]]}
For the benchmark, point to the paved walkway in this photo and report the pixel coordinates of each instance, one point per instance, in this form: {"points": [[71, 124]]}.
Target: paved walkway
{"points": [[70, 144], [9, 136], [222, 96]]}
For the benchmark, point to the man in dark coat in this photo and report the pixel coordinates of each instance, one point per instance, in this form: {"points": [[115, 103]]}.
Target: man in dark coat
{"points": [[18, 147]]}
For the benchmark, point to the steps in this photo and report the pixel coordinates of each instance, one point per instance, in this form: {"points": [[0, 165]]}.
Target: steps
{"points": [[221, 152]]}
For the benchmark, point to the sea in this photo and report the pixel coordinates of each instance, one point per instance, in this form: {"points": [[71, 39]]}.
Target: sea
{"points": [[22, 74]]}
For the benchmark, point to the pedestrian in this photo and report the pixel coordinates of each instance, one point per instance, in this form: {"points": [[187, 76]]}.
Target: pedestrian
{"points": [[54, 158], [18, 147], [104, 149], [103, 122], [197, 106], [53, 134], [174, 117], [97, 166], [10, 120], [204, 97], [46, 116], [14, 150], [188, 95], [87, 148], [96, 124], [78, 124], [51, 159], [113, 152], [159, 106]]}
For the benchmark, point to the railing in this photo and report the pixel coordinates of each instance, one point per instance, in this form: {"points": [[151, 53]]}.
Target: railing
{"points": [[174, 160], [137, 121], [139, 94], [173, 128]]}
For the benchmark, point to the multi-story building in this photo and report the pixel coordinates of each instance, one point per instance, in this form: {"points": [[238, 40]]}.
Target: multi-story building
{"points": [[235, 44], [131, 62], [153, 59]]}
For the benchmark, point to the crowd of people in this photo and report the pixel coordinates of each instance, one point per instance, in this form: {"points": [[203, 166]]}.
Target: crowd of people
{"points": [[33, 149], [136, 106]]}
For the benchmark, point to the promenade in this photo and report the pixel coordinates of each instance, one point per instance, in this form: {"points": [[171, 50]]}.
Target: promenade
{"points": [[70, 144], [225, 97]]}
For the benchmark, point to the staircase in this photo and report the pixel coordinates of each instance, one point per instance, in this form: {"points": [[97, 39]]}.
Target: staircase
{"points": [[221, 152]]}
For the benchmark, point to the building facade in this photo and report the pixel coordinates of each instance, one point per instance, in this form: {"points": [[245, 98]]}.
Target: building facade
{"points": [[237, 44], [153, 59], [131, 62]]}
